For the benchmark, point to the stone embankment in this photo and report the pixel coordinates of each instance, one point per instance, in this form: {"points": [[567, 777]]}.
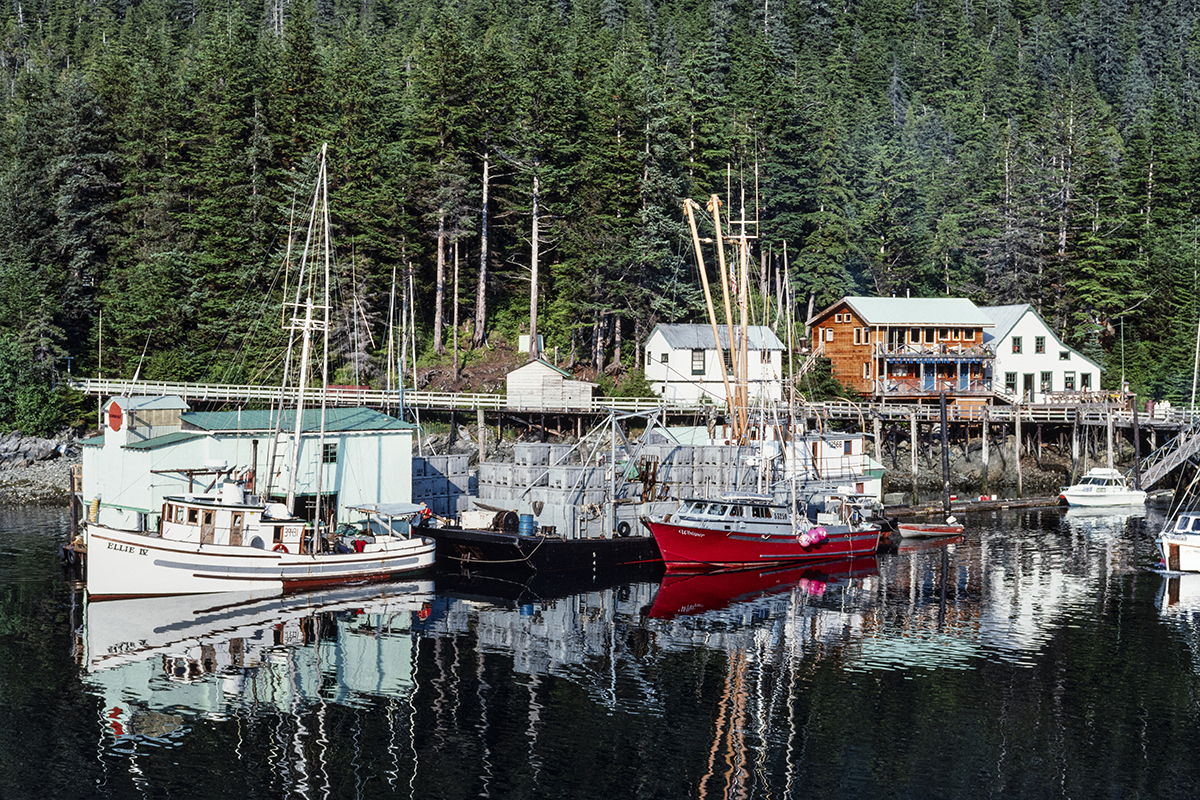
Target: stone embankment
{"points": [[37, 471], [1040, 475]]}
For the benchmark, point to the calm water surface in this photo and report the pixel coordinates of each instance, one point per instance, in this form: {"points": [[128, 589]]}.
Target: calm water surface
{"points": [[1038, 657]]}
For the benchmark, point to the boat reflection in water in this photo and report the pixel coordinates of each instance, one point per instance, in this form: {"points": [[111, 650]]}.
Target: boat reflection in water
{"points": [[699, 592], [160, 662]]}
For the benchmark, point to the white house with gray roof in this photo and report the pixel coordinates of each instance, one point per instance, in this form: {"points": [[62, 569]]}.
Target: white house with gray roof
{"points": [[1032, 364], [152, 447], [684, 365]]}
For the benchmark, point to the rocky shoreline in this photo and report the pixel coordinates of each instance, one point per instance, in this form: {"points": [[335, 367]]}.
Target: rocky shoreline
{"points": [[37, 471]]}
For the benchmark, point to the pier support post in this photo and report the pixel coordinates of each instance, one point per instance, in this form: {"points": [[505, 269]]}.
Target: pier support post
{"points": [[1137, 448], [1074, 446], [1017, 444], [912, 435], [945, 458], [482, 435], [1109, 428], [987, 435], [876, 426]]}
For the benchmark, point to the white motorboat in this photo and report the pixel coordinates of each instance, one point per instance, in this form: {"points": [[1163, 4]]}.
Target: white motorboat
{"points": [[1103, 487]]}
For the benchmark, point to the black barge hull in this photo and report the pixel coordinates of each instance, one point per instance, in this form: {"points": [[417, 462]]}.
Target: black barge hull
{"points": [[538, 552]]}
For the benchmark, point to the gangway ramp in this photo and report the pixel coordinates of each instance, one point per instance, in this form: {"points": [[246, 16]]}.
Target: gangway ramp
{"points": [[1173, 454]]}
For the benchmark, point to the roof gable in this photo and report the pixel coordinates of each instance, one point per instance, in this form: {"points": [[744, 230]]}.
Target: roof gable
{"points": [[1005, 317]]}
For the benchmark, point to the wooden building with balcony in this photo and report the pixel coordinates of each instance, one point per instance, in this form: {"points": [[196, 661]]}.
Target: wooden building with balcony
{"points": [[908, 349]]}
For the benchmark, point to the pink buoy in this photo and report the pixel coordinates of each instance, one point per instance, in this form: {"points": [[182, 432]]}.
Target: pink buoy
{"points": [[804, 539], [818, 533]]}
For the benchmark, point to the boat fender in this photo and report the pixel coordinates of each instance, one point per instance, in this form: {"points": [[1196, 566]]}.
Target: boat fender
{"points": [[280, 548], [817, 533], [623, 529], [805, 540]]}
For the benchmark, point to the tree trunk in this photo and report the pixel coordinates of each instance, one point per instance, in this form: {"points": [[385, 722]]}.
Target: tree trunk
{"points": [[481, 284], [616, 321], [440, 292], [533, 277]]}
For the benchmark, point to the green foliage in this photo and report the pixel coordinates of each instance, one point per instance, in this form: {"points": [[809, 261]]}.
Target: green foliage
{"points": [[154, 161], [631, 384]]}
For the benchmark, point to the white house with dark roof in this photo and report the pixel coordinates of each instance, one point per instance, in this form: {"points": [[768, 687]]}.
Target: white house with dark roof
{"points": [[684, 365], [153, 447], [1032, 364], [540, 385]]}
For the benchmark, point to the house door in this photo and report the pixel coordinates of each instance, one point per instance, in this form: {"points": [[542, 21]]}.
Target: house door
{"points": [[1027, 386]]}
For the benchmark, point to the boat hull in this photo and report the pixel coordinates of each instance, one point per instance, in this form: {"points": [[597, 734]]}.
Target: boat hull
{"points": [[539, 553], [1180, 552], [1132, 497], [919, 530], [134, 564], [695, 546]]}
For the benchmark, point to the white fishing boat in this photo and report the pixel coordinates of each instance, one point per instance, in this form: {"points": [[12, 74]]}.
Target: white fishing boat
{"points": [[229, 539], [1102, 487], [1180, 544]]}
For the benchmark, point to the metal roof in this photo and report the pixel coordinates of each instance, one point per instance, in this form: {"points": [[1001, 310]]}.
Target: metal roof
{"points": [[337, 420], [165, 440], [920, 311], [143, 402], [699, 337], [1005, 318]]}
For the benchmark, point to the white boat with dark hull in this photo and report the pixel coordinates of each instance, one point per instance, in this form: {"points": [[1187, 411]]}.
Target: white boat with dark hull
{"points": [[1103, 487], [228, 541]]}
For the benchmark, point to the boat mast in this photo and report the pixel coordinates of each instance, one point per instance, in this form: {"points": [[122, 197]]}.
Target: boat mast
{"points": [[307, 325]]}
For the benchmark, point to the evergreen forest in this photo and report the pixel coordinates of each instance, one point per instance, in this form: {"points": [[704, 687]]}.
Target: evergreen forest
{"points": [[489, 156]]}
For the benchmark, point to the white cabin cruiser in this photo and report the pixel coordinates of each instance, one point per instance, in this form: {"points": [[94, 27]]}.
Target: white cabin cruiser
{"points": [[1102, 487]]}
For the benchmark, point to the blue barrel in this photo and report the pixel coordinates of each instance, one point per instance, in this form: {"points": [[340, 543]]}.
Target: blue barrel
{"points": [[527, 525]]}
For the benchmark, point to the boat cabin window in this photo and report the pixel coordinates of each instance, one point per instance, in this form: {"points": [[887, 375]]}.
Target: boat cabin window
{"points": [[762, 512], [718, 510], [735, 511], [193, 516], [1196, 524]]}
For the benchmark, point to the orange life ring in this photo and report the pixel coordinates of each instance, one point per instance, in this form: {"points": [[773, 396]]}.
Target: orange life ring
{"points": [[280, 548]]}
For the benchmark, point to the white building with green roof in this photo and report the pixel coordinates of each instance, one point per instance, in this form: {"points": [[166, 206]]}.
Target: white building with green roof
{"points": [[154, 447]]}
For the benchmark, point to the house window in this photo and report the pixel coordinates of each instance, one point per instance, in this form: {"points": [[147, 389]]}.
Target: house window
{"points": [[1068, 381], [968, 334], [1010, 382], [1085, 381], [914, 336], [764, 356], [329, 453], [944, 334], [829, 334], [1064, 355], [866, 335], [866, 370], [665, 357], [697, 362], [1047, 382], [837, 317], [1016, 344], [957, 334], [1039, 344], [858, 335]]}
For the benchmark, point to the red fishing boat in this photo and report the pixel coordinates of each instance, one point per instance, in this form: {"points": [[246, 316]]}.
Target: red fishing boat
{"points": [[747, 530]]}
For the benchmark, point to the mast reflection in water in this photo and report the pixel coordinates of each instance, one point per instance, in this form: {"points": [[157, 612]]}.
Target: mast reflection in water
{"points": [[1037, 656]]}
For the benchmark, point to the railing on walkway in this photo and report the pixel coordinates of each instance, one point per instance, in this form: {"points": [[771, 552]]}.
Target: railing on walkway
{"points": [[1089, 413]]}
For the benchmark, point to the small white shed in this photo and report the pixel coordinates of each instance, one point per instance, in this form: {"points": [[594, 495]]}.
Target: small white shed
{"points": [[541, 385]]}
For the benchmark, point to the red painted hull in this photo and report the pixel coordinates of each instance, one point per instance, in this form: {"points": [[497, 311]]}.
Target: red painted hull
{"points": [[686, 593], [690, 546]]}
